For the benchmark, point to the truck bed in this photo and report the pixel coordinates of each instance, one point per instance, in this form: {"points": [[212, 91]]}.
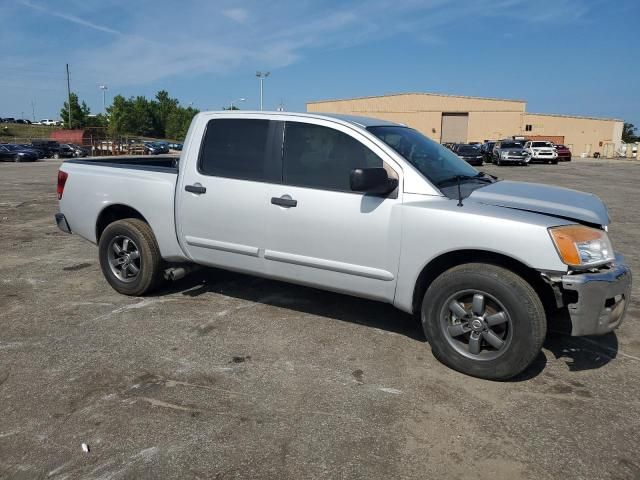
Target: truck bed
{"points": [[156, 163], [144, 184]]}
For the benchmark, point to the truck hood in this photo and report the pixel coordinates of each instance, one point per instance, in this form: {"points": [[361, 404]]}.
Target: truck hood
{"points": [[535, 197]]}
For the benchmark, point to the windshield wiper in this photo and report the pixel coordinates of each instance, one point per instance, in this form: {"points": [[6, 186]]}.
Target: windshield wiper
{"points": [[481, 176]]}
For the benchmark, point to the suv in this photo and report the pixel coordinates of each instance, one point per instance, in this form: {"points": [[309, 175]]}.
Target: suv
{"points": [[538, 151], [509, 151], [487, 150]]}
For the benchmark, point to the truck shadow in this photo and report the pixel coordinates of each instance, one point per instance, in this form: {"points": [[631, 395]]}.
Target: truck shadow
{"points": [[579, 353]]}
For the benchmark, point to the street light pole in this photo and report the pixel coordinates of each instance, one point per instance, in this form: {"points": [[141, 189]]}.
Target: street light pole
{"points": [[238, 100], [262, 76], [104, 98]]}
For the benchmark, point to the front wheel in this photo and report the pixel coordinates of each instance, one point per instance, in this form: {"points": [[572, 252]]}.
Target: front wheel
{"points": [[483, 320], [130, 258]]}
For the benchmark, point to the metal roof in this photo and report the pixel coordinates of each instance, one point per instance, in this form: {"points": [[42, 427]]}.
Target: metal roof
{"points": [[417, 93]]}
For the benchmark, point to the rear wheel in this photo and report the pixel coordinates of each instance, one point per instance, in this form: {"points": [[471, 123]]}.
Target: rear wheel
{"points": [[483, 320], [130, 258], [56, 156]]}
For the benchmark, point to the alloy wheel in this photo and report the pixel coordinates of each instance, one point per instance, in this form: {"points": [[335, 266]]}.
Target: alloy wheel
{"points": [[124, 258], [476, 325]]}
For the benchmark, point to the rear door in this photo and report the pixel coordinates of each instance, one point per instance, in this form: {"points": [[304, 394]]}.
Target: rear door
{"points": [[319, 232], [225, 194]]}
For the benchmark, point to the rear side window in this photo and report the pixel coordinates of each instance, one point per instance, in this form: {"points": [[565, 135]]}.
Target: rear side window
{"points": [[321, 157], [237, 148]]}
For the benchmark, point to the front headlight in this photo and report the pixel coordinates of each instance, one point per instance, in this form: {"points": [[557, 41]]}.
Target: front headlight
{"points": [[580, 246]]}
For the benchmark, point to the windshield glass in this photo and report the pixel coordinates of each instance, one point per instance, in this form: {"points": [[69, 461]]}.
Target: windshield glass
{"points": [[540, 144], [510, 145], [469, 149], [431, 159]]}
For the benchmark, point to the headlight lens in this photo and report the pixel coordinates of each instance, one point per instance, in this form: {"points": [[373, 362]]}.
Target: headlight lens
{"points": [[580, 246]]}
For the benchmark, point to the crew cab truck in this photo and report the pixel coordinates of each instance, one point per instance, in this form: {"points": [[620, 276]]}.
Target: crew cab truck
{"points": [[364, 207]]}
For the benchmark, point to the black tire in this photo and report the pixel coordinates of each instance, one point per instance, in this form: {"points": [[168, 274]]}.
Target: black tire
{"points": [[150, 262], [56, 156], [522, 335]]}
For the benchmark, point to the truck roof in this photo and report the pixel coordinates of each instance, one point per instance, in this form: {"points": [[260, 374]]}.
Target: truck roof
{"points": [[361, 122]]}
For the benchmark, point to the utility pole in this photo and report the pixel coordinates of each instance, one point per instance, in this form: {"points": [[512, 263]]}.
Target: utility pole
{"points": [[262, 76], [69, 95], [104, 98], [33, 110]]}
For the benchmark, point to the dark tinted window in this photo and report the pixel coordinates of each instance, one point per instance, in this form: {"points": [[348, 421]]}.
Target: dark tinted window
{"points": [[510, 145], [237, 148], [321, 157]]}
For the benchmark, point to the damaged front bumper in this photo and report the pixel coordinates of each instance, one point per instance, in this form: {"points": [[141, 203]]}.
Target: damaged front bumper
{"points": [[602, 298]]}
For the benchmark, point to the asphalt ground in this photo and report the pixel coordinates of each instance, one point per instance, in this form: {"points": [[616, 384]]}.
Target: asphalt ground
{"points": [[222, 375]]}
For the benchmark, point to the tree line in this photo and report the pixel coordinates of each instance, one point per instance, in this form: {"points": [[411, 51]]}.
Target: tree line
{"points": [[160, 117]]}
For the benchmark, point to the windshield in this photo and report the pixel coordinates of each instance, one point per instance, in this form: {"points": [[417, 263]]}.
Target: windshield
{"points": [[540, 144], [510, 145], [469, 149], [431, 159]]}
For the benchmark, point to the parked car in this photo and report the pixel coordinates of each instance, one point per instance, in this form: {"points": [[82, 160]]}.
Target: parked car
{"points": [[23, 121], [564, 154], [542, 152], [471, 154], [175, 146], [156, 148], [49, 122], [364, 207], [49, 147], [508, 151], [39, 152], [487, 151], [8, 120], [75, 150], [17, 154]]}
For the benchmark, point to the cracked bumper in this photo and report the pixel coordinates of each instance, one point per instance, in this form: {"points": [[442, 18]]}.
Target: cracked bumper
{"points": [[603, 298]]}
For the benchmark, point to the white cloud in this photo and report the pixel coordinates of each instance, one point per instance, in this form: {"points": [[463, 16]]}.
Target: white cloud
{"points": [[163, 38], [240, 15]]}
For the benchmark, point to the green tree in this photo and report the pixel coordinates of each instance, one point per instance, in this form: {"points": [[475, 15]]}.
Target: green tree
{"points": [[79, 113], [629, 133], [120, 116], [178, 123], [163, 106]]}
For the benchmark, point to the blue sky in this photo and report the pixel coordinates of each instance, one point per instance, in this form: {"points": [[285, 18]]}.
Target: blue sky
{"points": [[562, 56]]}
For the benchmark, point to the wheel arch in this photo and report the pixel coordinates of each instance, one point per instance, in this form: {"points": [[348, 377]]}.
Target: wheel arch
{"points": [[113, 213], [451, 259]]}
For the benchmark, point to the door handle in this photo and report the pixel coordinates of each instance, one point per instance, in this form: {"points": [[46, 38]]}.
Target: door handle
{"points": [[197, 188], [284, 201]]}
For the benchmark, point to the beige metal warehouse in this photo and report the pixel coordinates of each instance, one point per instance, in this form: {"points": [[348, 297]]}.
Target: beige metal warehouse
{"points": [[455, 118]]}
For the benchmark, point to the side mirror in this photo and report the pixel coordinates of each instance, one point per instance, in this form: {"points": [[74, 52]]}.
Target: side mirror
{"points": [[372, 180]]}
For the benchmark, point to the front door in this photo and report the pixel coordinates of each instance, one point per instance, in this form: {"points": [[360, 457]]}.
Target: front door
{"points": [[319, 232], [224, 196]]}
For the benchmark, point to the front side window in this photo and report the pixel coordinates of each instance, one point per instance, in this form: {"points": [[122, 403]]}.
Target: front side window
{"points": [[431, 159], [237, 148], [321, 157]]}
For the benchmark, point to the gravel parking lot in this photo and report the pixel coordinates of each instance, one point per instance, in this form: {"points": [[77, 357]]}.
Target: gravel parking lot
{"points": [[226, 376]]}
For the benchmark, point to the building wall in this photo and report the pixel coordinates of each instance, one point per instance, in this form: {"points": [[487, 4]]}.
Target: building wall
{"points": [[489, 119], [582, 135]]}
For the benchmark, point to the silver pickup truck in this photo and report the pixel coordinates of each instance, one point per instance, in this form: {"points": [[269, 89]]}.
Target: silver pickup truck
{"points": [[363, 207]]}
